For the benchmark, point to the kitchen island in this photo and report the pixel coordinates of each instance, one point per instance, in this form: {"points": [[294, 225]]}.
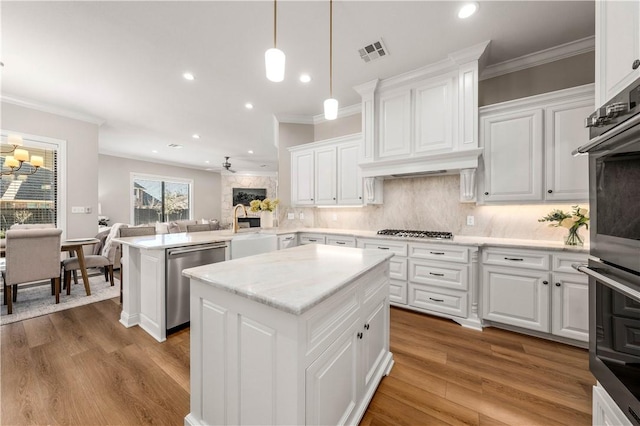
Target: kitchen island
{"points": [[297, 336]]}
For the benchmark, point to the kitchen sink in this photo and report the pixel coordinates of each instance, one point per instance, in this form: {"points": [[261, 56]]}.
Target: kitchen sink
{"points": [[244, 245]]}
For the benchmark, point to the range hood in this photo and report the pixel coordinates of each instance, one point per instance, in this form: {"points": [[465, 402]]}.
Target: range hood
{"points": [[424, 165]]}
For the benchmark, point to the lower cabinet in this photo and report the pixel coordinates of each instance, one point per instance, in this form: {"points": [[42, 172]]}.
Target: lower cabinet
{"points": [[605, 410], [536, 290], [339, 240], [287, 240]]}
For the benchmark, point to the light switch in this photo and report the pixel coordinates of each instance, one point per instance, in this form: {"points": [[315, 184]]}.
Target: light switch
{"points": [[87, 209], [301, 216], [471, 221], [291, 216], [77, 209], [334, 217]]}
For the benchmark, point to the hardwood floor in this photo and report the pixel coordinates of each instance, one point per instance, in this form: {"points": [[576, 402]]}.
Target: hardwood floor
{"points": [[81, 367]]}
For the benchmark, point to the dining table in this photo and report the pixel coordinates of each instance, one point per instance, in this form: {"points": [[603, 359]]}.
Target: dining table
{"points": [[74, 246]]}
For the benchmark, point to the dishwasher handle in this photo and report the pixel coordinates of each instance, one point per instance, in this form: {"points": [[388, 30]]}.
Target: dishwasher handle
{"points": [[183, 250]]}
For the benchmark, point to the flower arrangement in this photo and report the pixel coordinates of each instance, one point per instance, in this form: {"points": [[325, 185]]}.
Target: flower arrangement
{"points": [[572, 221], [264, 205]]}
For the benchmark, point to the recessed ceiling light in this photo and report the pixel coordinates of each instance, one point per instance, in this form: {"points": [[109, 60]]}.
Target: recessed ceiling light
{"points": [[248, 105], [174, 145], [155, 151], [195, 136], [188, 76], [250, 151], [305, 78], [467, 10], [206, 161]]}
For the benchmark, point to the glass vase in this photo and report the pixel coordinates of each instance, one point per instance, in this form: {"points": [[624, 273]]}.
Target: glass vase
{"points": [[573, 238]]}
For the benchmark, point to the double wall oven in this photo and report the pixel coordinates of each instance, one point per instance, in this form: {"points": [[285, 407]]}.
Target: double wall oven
{"points": [[614, 262]]}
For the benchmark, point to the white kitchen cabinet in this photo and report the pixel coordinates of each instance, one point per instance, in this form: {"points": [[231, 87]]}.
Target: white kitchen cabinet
{"points": [[536, 290], [302, 177], [394, 123], [434, 113], [308, 238], [528, 144], [287, 240], [334, 175], [605, 410], [397, 266], [617, 47], [340, 240]]}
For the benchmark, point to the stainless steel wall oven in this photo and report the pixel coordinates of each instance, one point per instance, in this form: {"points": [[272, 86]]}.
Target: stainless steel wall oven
{"points": [[614, 263]]}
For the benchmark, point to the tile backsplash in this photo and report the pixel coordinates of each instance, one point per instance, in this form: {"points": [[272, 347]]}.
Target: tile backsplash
{"points": [[431, 203]]}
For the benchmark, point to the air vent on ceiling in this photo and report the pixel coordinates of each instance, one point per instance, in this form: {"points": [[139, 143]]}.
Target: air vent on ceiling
{"points": [[373, 51], [174, 145]]}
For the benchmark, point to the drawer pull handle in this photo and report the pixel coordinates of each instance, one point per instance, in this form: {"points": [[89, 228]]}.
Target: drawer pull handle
{"points": [[383, 248], [437, 275], [515, 259], [341, 243], [288, 239], [436, 300], [312, 240], [437, 252]]}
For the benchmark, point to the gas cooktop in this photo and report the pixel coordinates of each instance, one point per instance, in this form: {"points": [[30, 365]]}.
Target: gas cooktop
{"points": [[437, 235]]}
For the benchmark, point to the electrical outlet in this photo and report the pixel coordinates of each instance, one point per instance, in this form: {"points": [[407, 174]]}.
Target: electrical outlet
{"points": [[291, 216], [471, 221], [334, 217], [301, 216]]}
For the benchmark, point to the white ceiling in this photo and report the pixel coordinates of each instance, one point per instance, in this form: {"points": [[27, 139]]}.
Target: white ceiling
{"points": [[122, 62]]}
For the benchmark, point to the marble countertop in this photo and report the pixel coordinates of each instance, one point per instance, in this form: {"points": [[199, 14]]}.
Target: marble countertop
{"points": [[163, 241], [292, 280]]}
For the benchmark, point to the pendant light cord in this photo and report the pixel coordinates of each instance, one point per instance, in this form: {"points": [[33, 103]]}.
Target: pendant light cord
{"points": [[331, 48], [275, 22]]}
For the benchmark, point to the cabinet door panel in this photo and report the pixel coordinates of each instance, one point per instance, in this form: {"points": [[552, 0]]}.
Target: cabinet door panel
{"points": [[516, 297], [617, 46], [513, 156], [398, 291], [567, 177], [302, 182], [325, 176], [570, 306], [331, 382], [394, 126], [349, 181], [376, 332], [434, 117]]}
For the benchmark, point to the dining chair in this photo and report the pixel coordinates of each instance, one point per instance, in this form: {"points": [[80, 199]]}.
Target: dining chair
{"points": [[31, 255], [199, 227], [133, 231]]}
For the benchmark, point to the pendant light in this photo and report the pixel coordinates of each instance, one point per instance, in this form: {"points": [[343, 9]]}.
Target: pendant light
{"points": [[331, 104], [274, 58]]}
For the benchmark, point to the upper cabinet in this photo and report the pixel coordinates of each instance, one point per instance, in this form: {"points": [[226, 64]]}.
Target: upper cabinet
{"points": [[327, 172], [528, 144], [617, 47], [424, 120]]}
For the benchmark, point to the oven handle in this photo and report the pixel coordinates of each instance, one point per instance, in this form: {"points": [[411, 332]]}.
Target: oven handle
{"points": [[593, 143], [609, 282]]}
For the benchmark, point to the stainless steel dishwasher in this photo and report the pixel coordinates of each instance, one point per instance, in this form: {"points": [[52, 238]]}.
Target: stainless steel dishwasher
{"points": [[177, 286]]}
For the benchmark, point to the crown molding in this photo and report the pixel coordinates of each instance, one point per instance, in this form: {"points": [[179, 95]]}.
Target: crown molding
{"points": [[342, 112], [541, 57], [294, 119], [52, 109]]}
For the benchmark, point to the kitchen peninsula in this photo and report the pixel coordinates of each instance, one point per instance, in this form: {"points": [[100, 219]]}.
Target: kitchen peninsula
{"points": [[296, 336]]}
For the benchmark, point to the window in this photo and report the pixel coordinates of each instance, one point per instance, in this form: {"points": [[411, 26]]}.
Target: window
{"points": [[32, 198], [160, 199]]}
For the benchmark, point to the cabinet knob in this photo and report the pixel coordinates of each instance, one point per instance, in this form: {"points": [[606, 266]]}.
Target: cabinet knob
{"points": [[366, 326], [359, 335], [545, 282], [635, 64], [550, 191], [557, 284], [486, 193], [334, 198], [359, 198]]}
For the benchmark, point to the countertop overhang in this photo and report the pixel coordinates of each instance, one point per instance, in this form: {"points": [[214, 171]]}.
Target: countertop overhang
{"points": [[292, 280]]}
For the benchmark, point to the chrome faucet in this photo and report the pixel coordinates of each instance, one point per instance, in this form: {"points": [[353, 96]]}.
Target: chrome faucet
{"points": [[235, 216]]}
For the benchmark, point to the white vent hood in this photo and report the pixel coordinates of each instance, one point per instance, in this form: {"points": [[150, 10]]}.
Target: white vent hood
{"points": [[438, 164]]}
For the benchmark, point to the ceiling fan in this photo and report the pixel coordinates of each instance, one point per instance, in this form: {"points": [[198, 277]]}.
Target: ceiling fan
{"points": [[227, 165]]}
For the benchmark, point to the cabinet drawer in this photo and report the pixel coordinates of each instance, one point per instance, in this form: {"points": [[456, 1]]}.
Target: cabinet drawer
{"points": [[561, 262], [438, 299], [517, 258], [334, 240], [398, 292], [312, 239], [398, 268], [439, 252], [441, 274], [398, 248]]}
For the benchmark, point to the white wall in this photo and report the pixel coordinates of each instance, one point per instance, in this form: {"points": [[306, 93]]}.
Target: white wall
{"points": [[82, 159], [114, 187]]}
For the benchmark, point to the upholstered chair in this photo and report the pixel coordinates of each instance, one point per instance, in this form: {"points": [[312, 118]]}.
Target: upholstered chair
{"points": [[133, 231], [31, 255], [199, 227]]}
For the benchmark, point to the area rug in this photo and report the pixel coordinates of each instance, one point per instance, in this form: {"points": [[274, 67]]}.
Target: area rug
{"points": [[34, 301]]}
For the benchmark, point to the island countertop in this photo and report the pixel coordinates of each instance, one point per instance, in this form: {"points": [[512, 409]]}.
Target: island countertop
{"points": [[292, 280], [164, 241]]}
